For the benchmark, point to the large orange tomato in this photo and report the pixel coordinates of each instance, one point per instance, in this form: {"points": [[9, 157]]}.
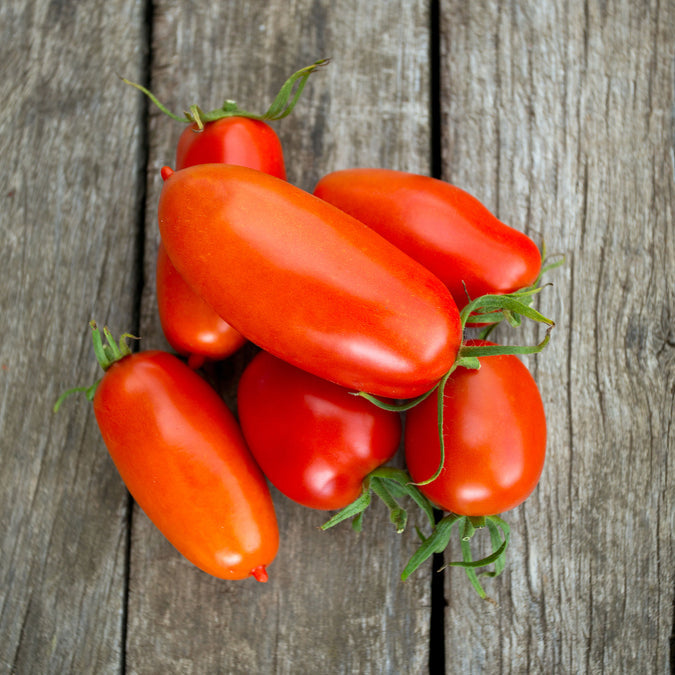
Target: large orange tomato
{"points": [[306, 282]]}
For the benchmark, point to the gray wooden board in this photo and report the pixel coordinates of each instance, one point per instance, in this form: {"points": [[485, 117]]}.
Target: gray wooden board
{"points": [[559, 115], [69, 180], [334, 602]]}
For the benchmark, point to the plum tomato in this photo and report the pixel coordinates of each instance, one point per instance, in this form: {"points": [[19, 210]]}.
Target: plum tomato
{"points": [[314, 440]]}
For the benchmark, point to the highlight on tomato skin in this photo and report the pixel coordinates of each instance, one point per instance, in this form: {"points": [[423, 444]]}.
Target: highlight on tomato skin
{"points": [[181, 454], [314, 440], [494, 434], [322, 291], [441, 226]]}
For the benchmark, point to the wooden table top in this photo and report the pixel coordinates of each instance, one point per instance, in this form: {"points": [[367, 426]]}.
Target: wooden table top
{"points": [[558, 116]]}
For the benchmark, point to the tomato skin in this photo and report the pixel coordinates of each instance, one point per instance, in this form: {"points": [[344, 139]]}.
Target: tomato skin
{"points": [[494, 434], [190, 326], [443, 227], [306, 282], [232, 140], [182, 456], [314, 440]]}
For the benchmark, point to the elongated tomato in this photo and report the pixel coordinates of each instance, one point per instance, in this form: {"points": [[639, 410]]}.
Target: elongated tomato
{"points": [[443, 227], [182, 456], [306, 282]]}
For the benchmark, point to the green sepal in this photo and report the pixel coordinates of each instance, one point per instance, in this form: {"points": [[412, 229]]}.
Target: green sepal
{"points": [[106, 354], [439, 540], [356, 508], [389, 484], [436, 542], [281, 107]]}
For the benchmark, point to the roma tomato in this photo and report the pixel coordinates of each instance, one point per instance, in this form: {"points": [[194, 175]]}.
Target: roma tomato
{"points": [[494, 432], [232, 140], [190, 326], [182, 456], [314, 440], [443, 227], [306, 282]]}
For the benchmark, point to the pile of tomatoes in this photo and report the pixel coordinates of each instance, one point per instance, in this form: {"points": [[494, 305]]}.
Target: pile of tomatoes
{"points": [[359, 297]]}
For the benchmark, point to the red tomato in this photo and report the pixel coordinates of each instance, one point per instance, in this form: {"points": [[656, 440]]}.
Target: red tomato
{"points": [[181, 454], [232, 140], [314, 440], [494, 432], [191, 327], [306, 282], [446, 229]]}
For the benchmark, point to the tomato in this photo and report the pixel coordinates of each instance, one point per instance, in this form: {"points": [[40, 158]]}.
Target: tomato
{"points": [[182, 456], [306, 282], [314, 440], [443, 227], [190, 326], [232, 140], [494, 432]]}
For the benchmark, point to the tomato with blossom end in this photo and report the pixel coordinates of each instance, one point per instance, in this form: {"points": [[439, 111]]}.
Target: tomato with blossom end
{"points": [[314, 440], [494, 431], [181, 454]]}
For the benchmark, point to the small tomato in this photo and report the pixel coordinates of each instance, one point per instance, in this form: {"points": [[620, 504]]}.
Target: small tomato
{"points": [[314, 440]]}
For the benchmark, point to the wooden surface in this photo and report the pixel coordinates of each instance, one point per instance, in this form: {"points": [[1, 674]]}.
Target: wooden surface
{"points": [[558, 116]]}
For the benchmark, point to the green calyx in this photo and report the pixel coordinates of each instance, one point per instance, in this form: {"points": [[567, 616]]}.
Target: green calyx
{"points": [[439, 540], [281, 107], [111, 351], [106, 354], [483, 314], [389, 484]]}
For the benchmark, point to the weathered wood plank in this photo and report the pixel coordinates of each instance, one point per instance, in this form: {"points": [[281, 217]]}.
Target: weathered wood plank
{"points": [[334, 602], [559, 116], [69, 189]]}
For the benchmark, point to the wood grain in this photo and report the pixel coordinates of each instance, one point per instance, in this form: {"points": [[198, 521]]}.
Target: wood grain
{"points": [[559, 115], [69, 143], [334, 602]]}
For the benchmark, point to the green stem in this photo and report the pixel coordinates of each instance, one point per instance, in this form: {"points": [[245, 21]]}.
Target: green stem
{"points": [[106, 355], [281, 107], [388, 483]]}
